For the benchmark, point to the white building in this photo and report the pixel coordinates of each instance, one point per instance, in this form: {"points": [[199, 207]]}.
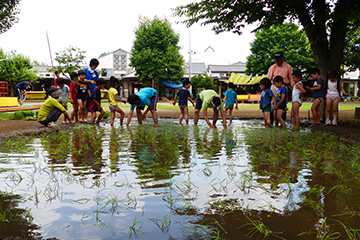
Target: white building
{"points": [[115, 64]]}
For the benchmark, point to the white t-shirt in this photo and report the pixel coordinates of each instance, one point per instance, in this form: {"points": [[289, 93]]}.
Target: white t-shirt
{"points": [[65, 90]]}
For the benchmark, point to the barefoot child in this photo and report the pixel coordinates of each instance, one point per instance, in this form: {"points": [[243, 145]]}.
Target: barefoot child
{"points": [[113, 98], [95, 102], [281, 99], [265, 101], [64, 98], [73, 93], [334, 87], [297, 92], [83, 92], [184, 96], [230, 98], [318, 94]]}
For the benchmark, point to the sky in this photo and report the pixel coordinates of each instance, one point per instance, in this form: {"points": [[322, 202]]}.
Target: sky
{"points": [[107, 25]]}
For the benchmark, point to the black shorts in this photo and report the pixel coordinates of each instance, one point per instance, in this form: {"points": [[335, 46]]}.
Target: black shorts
{"points": [[199, 103]]}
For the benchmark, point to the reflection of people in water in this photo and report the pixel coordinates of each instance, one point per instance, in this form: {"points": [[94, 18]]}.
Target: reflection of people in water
{"points": [[185, 149], [88, 149], [208, 148], [229, 142]]}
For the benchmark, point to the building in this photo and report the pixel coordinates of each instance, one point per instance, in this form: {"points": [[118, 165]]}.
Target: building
{"points": [[115, 64]]}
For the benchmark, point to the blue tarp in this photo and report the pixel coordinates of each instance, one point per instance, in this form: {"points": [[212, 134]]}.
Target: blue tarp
{"points": [[170, 85]]}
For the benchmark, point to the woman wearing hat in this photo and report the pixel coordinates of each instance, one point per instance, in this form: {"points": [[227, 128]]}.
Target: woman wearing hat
{"points": [[51, 109]]}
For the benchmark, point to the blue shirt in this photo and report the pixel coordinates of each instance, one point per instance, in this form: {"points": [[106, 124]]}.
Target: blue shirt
{"points": [[92, 77], [230, 97], [145, 95], [23, 85], [321, 92], [266, 98], [183, 95], [279, 93]]}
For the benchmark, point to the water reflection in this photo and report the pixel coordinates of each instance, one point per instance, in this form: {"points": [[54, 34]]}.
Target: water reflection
{"points": [[15, 221]]}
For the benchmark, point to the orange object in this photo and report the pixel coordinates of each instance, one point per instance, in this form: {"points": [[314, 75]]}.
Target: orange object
{"points": [[4, 89]]}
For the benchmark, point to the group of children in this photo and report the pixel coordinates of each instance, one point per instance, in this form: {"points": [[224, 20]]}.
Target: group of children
{"points": [[276, 102]]}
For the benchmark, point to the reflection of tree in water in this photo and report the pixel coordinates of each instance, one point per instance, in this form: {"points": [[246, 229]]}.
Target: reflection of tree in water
{"points": [[87, 149], [58, 146], [15, 222], [156, 154]]}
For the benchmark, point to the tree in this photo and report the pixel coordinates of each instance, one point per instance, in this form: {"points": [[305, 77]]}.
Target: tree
{"points": [[286, 38], [15, 68], [325, 22], [155, 53], [202, 81], [103, 54], [69, 60], [8, 16]]}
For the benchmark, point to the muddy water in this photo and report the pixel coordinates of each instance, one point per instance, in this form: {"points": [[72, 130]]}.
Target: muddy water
{"points": [[175, 182]]}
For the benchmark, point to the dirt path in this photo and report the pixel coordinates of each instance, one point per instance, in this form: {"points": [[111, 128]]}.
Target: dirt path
{"points": [[348, 130]]}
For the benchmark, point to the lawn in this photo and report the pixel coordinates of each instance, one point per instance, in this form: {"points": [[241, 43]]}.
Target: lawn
{"points": [[5, 115]]}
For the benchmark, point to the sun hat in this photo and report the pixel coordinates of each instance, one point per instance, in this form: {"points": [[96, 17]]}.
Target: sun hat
{"points": [[54, 92]]}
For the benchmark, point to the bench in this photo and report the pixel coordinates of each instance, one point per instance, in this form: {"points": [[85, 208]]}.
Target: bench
{"points": [[242, 98], [254, 98]]}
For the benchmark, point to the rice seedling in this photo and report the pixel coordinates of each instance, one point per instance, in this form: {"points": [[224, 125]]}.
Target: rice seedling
{"points": [[163, 224], [135, 228], [257, 226]]}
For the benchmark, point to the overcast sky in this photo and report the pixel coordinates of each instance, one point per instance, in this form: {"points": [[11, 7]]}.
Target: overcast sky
{"points": [[107, 25]]}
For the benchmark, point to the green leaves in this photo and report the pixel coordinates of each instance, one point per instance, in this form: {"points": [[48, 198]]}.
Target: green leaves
{"points": [[203, 81], [155, 53], [16, 68], [8, 14], [69, 60], [286, 38]]}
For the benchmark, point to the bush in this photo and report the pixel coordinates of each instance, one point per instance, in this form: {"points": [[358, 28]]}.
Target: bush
{"points": [[23, 114], [203, 81], [107, 114]]}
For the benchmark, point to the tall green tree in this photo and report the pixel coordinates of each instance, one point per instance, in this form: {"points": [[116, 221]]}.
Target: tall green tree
{"points": [[15, 68], [286, 38], [8, 14], [69, 60], [325, 22], [202, 81], [155, 54]]}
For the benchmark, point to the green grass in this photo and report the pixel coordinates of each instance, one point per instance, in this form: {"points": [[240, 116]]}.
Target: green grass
{"points": [[5, 116]]}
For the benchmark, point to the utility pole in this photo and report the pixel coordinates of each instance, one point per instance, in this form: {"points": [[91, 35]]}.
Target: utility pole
{"points": [[190, 53]]}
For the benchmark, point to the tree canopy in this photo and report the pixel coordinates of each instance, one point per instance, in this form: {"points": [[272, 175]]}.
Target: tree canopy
{"points": [[16, 68], [325, 22], [155, 54], [8, 14], [69, 60], [286, 38], [203, 81]]}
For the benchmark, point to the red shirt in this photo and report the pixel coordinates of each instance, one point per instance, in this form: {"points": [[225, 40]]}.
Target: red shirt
{"points": [[73, 91]]}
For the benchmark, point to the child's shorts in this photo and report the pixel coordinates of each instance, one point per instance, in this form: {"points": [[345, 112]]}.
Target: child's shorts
{"points": [[182, 106], [267, 108], [112, 107], [333, 97], [282, 107], [298, 101], [153, 101], [229, 107], [93, 107], [199, 103], [320, 98]]}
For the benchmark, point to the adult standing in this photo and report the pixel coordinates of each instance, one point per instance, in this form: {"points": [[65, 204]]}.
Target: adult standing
{"points": [[209, 99], [21, 88], [283, 69]]}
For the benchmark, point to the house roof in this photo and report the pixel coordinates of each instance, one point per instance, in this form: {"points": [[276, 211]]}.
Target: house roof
{"points": [[227, 68], [113, 52], [41, 68], [196, 68]]}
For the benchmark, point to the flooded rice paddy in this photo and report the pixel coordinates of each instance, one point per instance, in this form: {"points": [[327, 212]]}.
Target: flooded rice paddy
{"points": [[178, 182]]}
